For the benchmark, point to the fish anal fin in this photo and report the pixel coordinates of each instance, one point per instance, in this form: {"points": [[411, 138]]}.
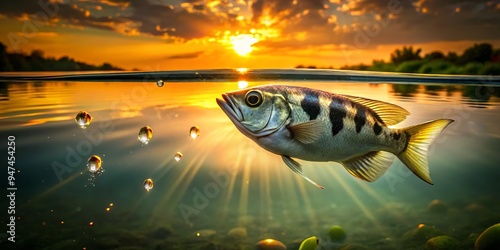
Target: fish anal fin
{"points": [[370, 166], [297, 168], [389, 113], [306, 132]]}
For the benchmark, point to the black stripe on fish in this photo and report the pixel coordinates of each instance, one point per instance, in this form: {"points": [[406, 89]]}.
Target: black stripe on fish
{"points": [[408, 137], [376, 128], [377, 118], [337, 114], [310, 104], [396, 136], [360, 118]]}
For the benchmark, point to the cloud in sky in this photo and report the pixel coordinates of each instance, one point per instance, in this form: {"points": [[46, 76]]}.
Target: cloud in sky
{"points": [[294, 23], [186, 55]]}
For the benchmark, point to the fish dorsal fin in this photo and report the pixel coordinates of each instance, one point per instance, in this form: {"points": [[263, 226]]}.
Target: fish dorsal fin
{"points": [[389, 113], [369, 167], [295, 167], [306, 132]]}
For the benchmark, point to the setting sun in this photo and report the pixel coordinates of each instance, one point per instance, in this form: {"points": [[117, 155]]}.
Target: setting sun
{"points": [[242, 44], [182, 34]]}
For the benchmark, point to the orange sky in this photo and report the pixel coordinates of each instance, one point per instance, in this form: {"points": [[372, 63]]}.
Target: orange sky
{"points": [[200, 34]]}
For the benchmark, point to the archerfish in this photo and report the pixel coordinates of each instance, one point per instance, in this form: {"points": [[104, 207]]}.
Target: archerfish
{"points": [[315, 125]]}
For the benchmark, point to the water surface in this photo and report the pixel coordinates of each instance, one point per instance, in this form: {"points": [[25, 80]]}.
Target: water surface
{"points": [[224, 180]]}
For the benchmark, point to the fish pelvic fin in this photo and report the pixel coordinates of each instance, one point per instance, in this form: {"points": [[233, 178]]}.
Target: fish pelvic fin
{"points": [[306, 132], [297, 168], [414, 156], [369, 167]]}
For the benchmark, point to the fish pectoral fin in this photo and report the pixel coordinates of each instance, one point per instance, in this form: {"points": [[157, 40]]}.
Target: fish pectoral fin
{"points": [[306, 132], [389, 113], [297, 168], [369, 167]]}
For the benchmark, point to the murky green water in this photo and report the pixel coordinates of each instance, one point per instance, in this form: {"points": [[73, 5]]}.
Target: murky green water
{"points": [[224, 181]]}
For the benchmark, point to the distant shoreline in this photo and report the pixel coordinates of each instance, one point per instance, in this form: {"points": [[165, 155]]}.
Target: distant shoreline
{"points": [[36, 61], [480, 59]]}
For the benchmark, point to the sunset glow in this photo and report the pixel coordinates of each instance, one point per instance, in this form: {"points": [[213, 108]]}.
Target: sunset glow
{"points": [[242, 44], [203, 34]]}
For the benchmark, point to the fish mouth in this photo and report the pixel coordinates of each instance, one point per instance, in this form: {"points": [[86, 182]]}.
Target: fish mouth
{"points": [[236, 116], [230, 108]]}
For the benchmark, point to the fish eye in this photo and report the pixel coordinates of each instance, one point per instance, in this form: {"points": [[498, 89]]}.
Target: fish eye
{"points": [[253, 98]]}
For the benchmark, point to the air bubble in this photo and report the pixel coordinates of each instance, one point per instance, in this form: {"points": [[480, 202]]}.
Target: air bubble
{"points": [[94, 164], [148, 184], [145, 134], [83, 119], [178, 156], [194, 132]]}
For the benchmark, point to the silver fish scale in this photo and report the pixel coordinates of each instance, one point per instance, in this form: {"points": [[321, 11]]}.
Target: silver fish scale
{"points": [[337, 116]]}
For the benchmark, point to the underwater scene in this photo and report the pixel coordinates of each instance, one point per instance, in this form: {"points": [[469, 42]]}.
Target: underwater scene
{"points": [[151, 161]]}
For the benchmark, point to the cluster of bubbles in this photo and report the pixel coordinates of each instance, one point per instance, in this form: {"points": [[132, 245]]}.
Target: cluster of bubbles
{"points": [[94, 163], [94, 166], [109, 208]]}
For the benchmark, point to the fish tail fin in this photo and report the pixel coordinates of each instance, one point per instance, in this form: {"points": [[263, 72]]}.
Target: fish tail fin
{"points": [[414, 156]]}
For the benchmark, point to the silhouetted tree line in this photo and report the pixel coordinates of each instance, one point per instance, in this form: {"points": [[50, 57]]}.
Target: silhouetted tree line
{"points": [[480, 59], [37, 62]]}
